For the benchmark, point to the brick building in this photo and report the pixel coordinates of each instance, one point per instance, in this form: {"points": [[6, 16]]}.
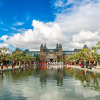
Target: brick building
{"points": [[53, 55]]}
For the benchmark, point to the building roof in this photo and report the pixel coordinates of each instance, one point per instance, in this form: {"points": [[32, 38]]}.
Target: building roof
{"points": [[69, 52], [50, 50], [41, 46]]}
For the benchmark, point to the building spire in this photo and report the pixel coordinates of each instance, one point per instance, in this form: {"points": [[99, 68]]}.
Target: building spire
{"points": [[57, 46], [45, 46], [41, 46], [60, 46]]}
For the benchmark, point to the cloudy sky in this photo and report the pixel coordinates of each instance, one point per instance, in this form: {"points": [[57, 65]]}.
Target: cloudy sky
{"points": [[28, 23]]}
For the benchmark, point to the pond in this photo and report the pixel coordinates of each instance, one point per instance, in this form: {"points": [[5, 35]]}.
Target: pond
{"points": [[49, 84]]}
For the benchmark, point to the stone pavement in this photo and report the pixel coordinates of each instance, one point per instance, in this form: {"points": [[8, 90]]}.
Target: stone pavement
{"points": [[97, 70], [9, 68]]}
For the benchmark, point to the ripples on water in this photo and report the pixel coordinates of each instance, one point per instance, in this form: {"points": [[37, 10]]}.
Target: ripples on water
{"points": [[49, 84]]}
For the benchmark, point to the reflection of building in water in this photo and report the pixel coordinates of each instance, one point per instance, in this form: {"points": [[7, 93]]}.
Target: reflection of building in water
{"points": [[2, 75], [58, 75], [43, 76]]}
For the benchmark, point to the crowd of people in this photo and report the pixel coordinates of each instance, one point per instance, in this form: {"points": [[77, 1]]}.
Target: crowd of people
{"points": [[84, 65], [89, 66]]}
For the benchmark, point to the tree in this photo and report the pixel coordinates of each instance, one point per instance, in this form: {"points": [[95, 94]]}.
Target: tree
{"points": [[17, 56], [3, 53], [9, 58], [84, 55], [94, 54], [29, 58]]}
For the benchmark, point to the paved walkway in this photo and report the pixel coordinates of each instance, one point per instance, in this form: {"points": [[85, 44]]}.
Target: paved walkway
{"points": [[9, 68], [97, 70]]}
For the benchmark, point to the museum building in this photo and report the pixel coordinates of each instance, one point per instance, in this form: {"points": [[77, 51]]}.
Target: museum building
{"points": [[52, 55]]}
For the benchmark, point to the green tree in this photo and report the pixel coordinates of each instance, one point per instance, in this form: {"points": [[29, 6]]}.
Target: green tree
{"points": [[29, 58], [17, 56], [84, 54], [3, 53]]}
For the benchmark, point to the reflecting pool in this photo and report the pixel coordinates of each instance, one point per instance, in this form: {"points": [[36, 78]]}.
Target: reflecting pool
{"points": [[49, 84]]}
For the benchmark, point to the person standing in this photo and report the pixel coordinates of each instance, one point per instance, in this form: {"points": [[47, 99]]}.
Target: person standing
{"points": [[95, 66], [1, 65], [12, 65], [91, 65]]}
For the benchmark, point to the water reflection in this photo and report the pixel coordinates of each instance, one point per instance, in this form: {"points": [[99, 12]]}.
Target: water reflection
{"points": [[58, 75], [43, 77], [1, 75], [88, 79], [43, 83]]}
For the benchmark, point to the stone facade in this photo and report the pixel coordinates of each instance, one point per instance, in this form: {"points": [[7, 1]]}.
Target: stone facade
{"points": [[53, 55]]}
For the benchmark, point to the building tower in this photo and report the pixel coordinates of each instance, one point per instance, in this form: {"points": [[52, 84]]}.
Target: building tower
{"points": [[41, 48], [60, 48], [57, 46], [60, 53]]}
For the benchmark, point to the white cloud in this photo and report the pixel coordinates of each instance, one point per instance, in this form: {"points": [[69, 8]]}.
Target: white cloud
{"points": [[66, 29], [82, 15], [4, 37], [5, 29], [18, 23], [4, 45], [42, 32], [84, 36], [59, 3], [13, 28]]}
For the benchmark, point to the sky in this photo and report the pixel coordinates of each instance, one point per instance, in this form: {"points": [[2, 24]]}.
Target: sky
{"points": [[27, 24]]}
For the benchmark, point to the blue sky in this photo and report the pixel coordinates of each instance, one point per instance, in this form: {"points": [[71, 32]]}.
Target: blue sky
{"points": [[23, 11], [28, 23]]}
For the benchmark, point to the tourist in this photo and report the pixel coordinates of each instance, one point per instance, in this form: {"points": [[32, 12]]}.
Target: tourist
{"points": [[95, 66], [12, 65], [87, 65], [84, 65], [91, 65], [7, 66], [1, 65], [19, 66]]}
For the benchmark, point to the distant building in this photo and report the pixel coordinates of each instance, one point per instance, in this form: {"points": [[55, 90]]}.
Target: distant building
{"points": [[85, 46], [53, 55], [32, 53]]}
